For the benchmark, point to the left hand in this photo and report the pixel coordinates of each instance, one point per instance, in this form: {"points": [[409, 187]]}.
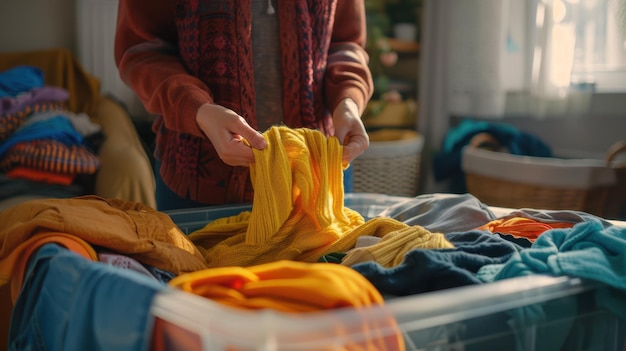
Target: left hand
{"points": [[349, 129]]}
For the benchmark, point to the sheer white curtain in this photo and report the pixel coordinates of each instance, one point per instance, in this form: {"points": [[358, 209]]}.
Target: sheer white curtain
{"points": [[577, 48], [475, 56], [462, 68], [95, 32], [518, 57]]}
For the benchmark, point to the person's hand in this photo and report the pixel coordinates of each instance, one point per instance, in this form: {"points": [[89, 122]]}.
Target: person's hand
{"points": [[225, 129], [349, 129]]}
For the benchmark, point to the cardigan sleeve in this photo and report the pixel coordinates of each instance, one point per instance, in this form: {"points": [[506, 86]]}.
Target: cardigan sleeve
{"points": [[147, 59], [347, 72]]}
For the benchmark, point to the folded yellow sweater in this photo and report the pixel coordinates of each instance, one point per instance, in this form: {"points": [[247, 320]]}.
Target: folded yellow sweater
{"points": [[298, 287], [391, 249], [298, 210]]}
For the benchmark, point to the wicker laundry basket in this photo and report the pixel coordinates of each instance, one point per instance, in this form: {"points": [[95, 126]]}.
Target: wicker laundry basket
{"points": [[502, 179], [616, 204], [391, 165]]}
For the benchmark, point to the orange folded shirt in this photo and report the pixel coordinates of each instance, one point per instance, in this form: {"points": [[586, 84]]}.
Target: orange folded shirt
{"points": [[13, 267], [522, 227]]}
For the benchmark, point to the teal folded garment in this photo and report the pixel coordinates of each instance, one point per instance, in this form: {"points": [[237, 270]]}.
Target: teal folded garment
{"points": [[592, 250]]}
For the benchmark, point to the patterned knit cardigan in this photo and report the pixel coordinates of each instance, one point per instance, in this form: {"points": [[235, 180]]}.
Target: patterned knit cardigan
{"points": [[214, 44]]}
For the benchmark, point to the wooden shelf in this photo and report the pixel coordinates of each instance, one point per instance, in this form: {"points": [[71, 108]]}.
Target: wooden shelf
{"points": [[403, 46]]}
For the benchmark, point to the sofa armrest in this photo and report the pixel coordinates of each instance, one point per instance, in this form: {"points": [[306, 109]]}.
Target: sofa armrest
{"points": [[125, 170]]}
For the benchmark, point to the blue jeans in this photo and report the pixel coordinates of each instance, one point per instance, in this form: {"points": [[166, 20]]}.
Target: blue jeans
{"points": [[167, 199], [348, 182], [70, 303]]}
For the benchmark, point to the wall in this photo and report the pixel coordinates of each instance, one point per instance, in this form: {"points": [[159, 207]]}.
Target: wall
{"points": [[37, 24], [582, 136], [42, 24]]}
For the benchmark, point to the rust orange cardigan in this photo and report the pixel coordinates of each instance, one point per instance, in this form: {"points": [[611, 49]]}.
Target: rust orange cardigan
{"points": [[178, 55]]}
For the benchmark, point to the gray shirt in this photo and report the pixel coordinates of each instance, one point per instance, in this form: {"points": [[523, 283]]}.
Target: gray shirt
{"points": [[267, 66]]}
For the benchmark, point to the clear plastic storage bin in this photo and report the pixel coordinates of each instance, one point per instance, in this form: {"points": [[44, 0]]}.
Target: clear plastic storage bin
{"points": [[526, 313]]}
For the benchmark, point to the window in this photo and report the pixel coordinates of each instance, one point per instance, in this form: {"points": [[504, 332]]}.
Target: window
{"points": [[570, 51], [596, 29]]}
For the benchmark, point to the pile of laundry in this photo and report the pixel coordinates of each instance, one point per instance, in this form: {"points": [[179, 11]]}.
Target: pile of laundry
{"points": [[41, 140]]}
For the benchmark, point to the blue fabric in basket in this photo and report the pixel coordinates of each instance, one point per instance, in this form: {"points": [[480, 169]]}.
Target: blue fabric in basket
{"points": [[447, 161]]}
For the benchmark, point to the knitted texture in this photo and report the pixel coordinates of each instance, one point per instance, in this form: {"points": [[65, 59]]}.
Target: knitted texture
{"points": [[214, 38], [391, 249], [298, 211], [298, 175], [303, 81], [51, 156], [10, 122]]}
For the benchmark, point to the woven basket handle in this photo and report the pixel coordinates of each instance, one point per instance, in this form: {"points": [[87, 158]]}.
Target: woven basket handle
{"points": [[486, 141], [614, 150]]}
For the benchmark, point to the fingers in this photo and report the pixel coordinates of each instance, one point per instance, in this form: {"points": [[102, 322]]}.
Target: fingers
{"points": [[350, 131], [254, 138], [236, 153], [354, 147]]}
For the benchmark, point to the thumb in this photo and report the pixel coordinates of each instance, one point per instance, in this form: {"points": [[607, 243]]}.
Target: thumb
{"points": [[254, 139]]}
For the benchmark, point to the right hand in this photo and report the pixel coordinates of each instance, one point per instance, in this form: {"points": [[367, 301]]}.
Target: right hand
{"points": [[225, 129]]}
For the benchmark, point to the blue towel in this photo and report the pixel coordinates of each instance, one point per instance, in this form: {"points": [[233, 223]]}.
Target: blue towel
{"points": [[447, 161], [20, 79]]}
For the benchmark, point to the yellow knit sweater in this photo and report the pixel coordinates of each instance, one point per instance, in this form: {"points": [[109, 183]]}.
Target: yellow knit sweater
{"points": [[298, 210]]}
